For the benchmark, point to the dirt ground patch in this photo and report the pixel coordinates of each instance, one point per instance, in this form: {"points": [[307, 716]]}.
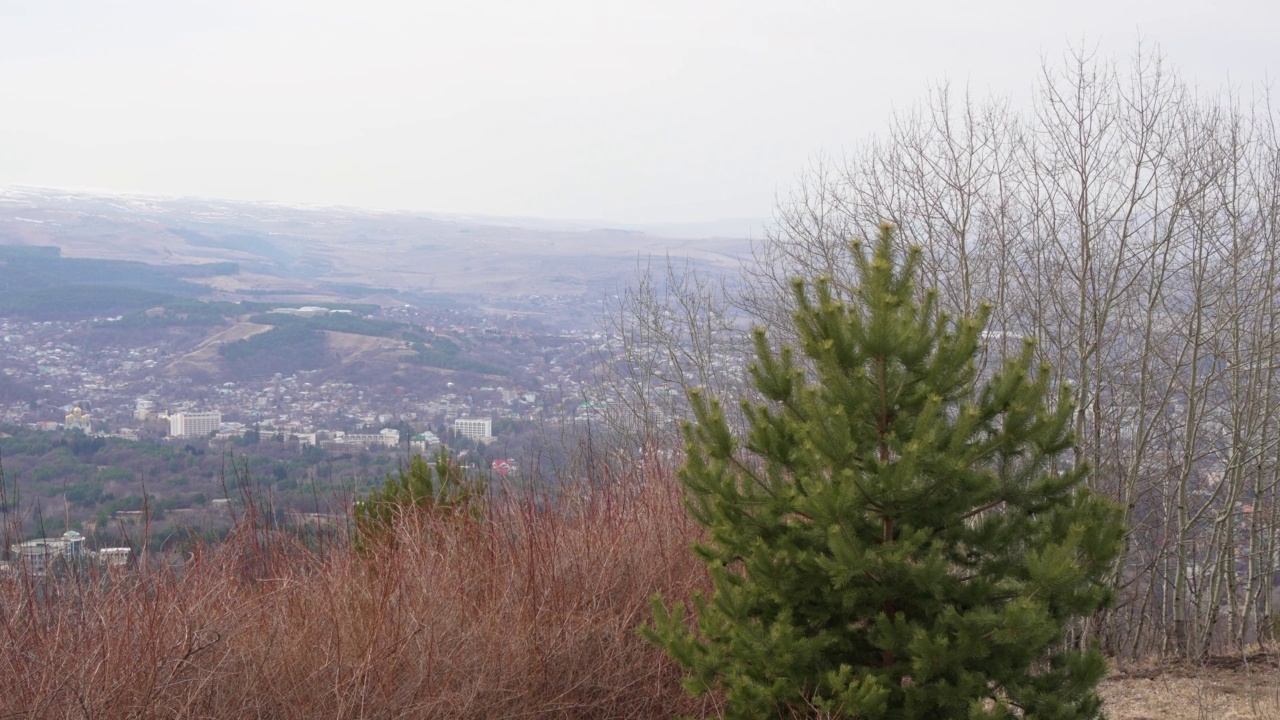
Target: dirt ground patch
{"points": [[365, 347], [1230, 688], [205, 357]]}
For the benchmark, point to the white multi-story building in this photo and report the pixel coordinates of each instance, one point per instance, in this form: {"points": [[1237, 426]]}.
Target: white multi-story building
{"points": [[39, 554], [194, 424], [387, 437], [478, 429]]}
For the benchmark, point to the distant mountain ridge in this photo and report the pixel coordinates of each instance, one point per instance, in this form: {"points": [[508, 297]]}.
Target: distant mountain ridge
{"points": [[318, 254]]}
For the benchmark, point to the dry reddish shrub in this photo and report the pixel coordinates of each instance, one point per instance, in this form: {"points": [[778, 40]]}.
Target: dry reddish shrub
{"points": [[530, 612]]}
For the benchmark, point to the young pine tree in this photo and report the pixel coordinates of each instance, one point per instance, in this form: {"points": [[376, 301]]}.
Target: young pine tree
{"points": [[439, 487], [892, 538]]}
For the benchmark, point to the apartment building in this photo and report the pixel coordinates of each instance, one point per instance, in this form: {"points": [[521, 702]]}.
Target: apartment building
{"points": [[194, 424], [478, 429]]}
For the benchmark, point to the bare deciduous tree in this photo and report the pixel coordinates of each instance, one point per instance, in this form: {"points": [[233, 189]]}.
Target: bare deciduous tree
{"points": [[1129, 226]]}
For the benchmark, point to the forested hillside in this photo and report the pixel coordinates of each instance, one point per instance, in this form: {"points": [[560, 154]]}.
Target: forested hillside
{"points": [[56, 481]]}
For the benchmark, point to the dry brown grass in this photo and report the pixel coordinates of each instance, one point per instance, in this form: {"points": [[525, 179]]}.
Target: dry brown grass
{"points": [[1230, 688], [205, 357], [530, 613]]}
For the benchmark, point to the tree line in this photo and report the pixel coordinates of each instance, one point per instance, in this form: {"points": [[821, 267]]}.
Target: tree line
{"points": [[1123, 221]]}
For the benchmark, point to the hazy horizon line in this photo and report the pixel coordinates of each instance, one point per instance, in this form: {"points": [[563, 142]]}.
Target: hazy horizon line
{"points": [[741, 226]]}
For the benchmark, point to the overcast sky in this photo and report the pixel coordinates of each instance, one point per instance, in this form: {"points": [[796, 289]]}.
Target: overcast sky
{"points": [[650, 111]]}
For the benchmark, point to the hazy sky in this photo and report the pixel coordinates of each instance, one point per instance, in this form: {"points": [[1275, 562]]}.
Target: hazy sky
{"points": [[649, 111]]}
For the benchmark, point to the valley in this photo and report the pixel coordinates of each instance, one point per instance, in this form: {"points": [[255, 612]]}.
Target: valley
{"points": [[296, 328]]}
